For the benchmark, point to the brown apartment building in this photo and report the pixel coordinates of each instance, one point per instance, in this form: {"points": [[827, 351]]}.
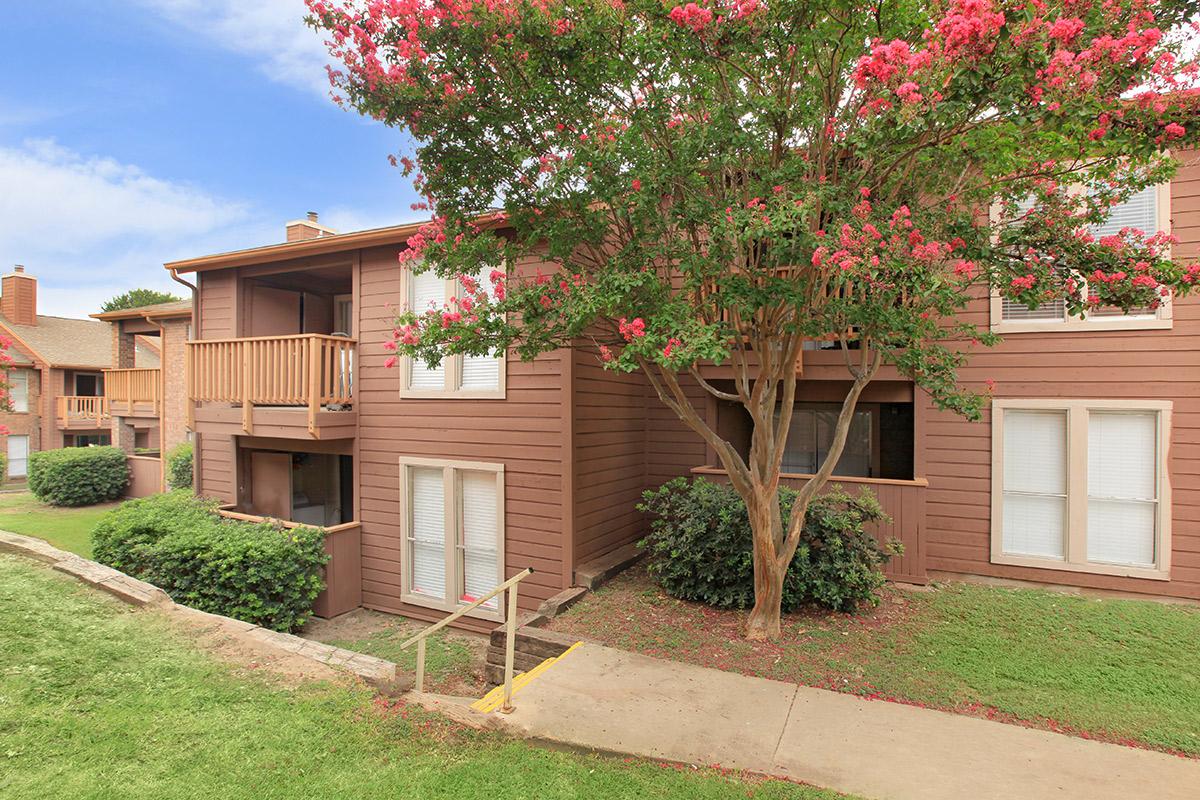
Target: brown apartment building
{"points": [[59, 376], [81, 382], [440, 483]]}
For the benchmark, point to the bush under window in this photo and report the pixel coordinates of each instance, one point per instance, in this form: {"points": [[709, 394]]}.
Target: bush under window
{"points": [[78, 476], [700, 547], [179, 466], [256, 572]]}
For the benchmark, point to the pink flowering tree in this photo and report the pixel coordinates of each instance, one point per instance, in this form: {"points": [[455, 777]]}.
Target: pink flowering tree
{"points": [[722, 181]]}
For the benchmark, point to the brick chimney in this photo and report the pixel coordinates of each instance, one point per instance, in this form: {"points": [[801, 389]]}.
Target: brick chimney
{"points": [[18, 297], [300, 229]]}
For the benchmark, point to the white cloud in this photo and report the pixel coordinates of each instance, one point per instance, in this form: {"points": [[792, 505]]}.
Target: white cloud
{"points": [[270, 31], [89, 227]]}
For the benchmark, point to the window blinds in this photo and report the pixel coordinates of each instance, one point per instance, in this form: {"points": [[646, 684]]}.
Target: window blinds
{"points": [[1122, 487], [426, 291], [479, 564], [481, 372], [1139, 211], [427, 532], [1035, 483]]}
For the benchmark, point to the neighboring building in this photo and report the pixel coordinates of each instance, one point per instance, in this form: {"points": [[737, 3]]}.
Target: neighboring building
{"points": [[58, 376], [442, 482], [146, 398]]}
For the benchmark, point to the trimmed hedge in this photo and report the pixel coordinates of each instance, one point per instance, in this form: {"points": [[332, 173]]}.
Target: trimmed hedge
{"points": [[78, 476], [255, 572], [179, 466], [700, 547]]}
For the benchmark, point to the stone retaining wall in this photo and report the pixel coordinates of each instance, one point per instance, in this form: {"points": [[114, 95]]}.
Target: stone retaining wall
{"points": [[375, 671]]}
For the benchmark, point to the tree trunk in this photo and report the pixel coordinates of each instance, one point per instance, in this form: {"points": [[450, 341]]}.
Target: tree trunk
{"points": [[766, 529]]}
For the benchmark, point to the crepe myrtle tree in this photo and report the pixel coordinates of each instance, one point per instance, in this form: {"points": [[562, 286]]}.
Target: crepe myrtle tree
{"points": [[722, 181]]}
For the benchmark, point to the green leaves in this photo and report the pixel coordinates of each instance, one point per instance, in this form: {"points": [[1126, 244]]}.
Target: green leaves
{"points": [[78, 476], [699, 547], [254, 572]]}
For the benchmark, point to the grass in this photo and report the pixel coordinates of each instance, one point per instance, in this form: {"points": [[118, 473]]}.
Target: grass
{"points": [[98, 701], [1119, 670], [451, 666], [65, 528]]}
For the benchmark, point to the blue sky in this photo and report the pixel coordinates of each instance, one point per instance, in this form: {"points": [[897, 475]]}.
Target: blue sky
{"points": [[134, 132]]}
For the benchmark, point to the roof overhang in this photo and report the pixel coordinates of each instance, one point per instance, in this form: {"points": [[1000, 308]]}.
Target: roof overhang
{"points": [[141, 313], [323, 245]]}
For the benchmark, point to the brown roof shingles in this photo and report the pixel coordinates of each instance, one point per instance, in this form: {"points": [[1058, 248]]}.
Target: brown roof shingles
{"points": [[66, 342]]}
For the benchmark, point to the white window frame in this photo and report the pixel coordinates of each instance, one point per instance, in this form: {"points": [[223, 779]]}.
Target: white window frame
{"points": [[19, 377], [451, 470], [1160, 320], [452, 363], [1075, 559]]}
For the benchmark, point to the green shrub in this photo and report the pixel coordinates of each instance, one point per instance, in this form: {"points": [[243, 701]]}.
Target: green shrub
{"points": [[254, 572], [700, 547], [3, 468], [78, 476], [179, 466]]}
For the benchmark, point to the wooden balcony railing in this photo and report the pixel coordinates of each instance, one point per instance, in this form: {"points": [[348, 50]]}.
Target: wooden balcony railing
{"points": [[306, 370], [75, 411], [133, 387]]}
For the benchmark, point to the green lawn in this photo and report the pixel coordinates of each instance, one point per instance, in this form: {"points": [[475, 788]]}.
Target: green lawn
{"points": [[98, 701], [1122, 670], [65, 528]]}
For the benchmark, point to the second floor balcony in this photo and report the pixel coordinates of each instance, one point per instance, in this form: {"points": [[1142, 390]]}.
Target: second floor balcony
{"points": [[297, 386]]}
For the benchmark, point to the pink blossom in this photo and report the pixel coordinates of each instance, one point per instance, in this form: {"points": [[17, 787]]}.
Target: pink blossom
{"points": [[390, 362], [632, 330]]}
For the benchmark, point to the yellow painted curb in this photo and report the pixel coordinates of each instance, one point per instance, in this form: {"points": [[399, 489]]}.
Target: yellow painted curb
{"points": [[495, 698]]}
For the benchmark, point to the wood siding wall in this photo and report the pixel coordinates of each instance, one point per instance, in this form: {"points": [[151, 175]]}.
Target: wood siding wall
{"points": [[524, 431], [218, 320], [609, 456], [1136, 365]]}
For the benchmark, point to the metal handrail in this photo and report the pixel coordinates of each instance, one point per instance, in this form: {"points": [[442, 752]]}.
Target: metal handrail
{"points": [[510, 607]]}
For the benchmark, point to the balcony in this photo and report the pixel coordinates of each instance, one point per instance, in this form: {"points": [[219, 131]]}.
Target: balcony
{"points": [[902, 500], [133, 392], [299, 386], [76, 413]]}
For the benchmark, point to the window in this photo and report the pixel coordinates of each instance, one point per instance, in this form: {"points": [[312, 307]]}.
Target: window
{"points": [[811, 434], [91, 440], [18, 390], [452, 516], [18, 456], [457, 375], [1082, 485], [89, 384], [1148, 210]]}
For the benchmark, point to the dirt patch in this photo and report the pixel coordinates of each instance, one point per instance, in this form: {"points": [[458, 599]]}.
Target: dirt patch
{"points": [[454, 662], [227, 641]]}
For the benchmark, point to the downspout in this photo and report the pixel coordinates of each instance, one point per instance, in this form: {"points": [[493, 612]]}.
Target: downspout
{"points": [[195, 334]]}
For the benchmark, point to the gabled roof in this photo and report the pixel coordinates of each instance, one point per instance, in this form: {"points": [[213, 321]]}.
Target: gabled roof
{"points": [[65, 342]]}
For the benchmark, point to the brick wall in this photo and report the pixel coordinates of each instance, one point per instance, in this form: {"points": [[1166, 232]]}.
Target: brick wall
{"points": [[28, 423], [174, 418]]}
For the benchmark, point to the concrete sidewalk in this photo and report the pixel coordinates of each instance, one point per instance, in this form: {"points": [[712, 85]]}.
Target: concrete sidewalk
{"points": [[598, 698]]}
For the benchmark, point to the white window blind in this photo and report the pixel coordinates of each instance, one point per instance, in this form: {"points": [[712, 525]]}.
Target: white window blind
{"points": [[1139, 211], [18, 390], [1122, 487], [1035, 483], [481, 372], [427, 532], [479, 569], [426, 290], [18, 456]]}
